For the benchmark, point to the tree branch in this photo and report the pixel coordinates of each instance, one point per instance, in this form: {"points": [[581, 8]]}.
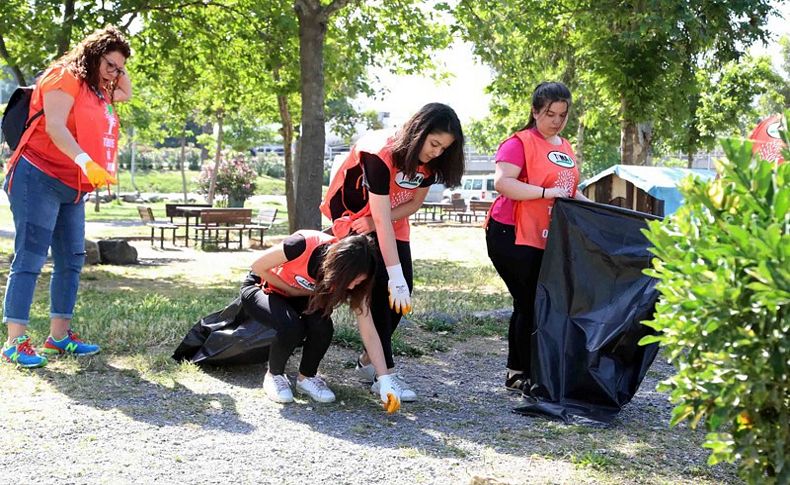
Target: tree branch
{"points": [[20, 78], [336, 5]]}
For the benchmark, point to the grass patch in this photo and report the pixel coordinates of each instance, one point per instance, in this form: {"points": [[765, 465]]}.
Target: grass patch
{"points": [[167, 181], [347, 336], [592, 459]]}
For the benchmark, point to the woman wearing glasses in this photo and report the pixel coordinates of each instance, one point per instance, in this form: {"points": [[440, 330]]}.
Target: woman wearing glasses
{"points": [[65, 154]]}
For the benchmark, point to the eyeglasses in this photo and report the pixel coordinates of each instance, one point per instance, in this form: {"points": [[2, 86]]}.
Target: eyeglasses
{"points": [[113, 67]]}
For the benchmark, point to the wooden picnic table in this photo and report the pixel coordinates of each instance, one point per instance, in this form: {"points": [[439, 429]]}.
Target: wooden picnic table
{"points": [[178, 210], [187, 212], [431, 208]]}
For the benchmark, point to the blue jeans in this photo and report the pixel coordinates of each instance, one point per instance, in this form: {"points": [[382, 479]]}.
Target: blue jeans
{"points": [[45, 215]]}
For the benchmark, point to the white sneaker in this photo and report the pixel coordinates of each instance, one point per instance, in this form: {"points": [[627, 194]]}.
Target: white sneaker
{"points": [[366, 372], [407, 394], [316, 388], [277, 388]]}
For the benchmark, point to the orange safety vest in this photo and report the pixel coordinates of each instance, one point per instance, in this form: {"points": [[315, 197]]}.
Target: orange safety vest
{"points": [[402, 190], [547, 166], [294, 272], [96, 126], [766, 141]]}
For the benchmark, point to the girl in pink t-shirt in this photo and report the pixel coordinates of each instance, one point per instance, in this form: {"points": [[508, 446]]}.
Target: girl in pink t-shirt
{"points": [[518, 264]]}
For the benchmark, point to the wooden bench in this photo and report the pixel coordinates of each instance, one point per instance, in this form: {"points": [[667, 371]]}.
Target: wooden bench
{"points": [[262, 222], [147, 216], [458, 206], [477, 209], [214, 222]]}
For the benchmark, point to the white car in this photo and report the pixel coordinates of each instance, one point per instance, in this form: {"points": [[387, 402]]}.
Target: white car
{"points": [[475, 187]]}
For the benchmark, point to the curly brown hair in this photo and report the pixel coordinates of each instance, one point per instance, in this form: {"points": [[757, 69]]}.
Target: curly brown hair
{"points": [[345, 260], [85, 58]]}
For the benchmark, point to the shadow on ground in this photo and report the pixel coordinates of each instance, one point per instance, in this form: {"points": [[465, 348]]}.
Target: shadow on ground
{"points": [[97, 384]]}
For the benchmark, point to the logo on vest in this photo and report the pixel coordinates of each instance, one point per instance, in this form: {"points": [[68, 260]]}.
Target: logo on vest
{"points": [[409, 184], [562, 159], [773, 130], [304, 283]]}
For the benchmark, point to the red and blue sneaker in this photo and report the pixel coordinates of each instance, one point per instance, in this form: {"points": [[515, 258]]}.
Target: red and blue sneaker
{"points": [[70, 344], [22, 353]]}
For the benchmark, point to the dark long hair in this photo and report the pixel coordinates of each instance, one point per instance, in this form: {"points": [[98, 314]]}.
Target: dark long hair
{"points": [[431, 118], [85, 58], [345, 260], [545, 94]]}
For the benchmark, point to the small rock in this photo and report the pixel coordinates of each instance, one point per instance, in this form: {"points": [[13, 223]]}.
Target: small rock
{"points": [[117, 251], [92, 252]]}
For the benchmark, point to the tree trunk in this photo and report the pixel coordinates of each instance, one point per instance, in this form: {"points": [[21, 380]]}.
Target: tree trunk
{"points": [[287, 132], [97, 202], [635, 139], [183, 159], [208, 129], [310, 159], [64, 36], [132, 161], [217, 158], [18, 76], [580, 144]]}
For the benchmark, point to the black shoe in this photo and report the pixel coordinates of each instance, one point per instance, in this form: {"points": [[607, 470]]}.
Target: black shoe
{"points": [[517, 383]]}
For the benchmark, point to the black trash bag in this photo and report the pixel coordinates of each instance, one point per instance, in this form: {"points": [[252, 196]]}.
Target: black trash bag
{"points": [[591, 298], [227, 337]]}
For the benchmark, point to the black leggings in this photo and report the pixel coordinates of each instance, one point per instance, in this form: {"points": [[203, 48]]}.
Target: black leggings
{"points": [[384, 318], [519, 267], [286, 315]]}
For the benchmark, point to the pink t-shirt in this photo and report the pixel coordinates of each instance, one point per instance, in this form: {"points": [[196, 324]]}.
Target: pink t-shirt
{"points": [[510, 151]]}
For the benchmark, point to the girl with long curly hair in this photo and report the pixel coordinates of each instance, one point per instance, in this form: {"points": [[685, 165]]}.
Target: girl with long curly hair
{"points": [[67, 152]]}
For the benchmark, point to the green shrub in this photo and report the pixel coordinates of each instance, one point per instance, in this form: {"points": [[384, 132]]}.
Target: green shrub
{"points": [[723, 265]]}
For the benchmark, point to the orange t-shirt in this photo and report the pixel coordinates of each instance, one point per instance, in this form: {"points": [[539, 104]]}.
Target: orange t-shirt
{"points": [[39, 149], [547, 166]]}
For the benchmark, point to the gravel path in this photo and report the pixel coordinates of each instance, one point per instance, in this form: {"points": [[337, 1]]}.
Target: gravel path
{"points": [[101, 421], [111, 419]]}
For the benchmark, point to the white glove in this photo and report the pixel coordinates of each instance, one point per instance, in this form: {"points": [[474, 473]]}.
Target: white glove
{"points": [[400, 300], [389, 391]]}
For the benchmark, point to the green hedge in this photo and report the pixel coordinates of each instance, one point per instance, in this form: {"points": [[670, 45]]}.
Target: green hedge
{"points": [[723, 264]]}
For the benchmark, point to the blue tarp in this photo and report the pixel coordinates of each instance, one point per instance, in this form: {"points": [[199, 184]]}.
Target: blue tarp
{"points": [[659, 182]]}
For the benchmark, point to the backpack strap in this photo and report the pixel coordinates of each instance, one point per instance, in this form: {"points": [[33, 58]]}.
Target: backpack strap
{"points": [[30, 127]]}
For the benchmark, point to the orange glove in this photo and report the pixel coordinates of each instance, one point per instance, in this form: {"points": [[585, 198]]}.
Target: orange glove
{"points": [[389, 391], [97, 176]]}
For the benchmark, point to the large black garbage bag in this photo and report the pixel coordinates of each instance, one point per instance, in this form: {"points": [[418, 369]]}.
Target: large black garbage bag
{"points": [[591, 298], [227, 337]]}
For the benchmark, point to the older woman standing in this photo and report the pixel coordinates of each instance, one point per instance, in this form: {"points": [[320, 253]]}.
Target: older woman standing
{"points": [[534, 167], [65, 154]]}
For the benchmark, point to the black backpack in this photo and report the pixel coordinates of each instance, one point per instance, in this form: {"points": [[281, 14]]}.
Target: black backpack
{"points": [[15, 120]]}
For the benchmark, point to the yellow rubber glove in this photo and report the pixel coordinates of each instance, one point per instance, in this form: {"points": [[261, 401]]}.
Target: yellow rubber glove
{"points": [[96, 175]]}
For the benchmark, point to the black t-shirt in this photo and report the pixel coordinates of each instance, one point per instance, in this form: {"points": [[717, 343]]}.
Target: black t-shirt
{"points": [[373, 175], [295, 245]]}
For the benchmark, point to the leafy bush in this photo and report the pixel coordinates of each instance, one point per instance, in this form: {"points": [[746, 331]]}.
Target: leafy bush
{"points": [[235, 178], [723, 264]]}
